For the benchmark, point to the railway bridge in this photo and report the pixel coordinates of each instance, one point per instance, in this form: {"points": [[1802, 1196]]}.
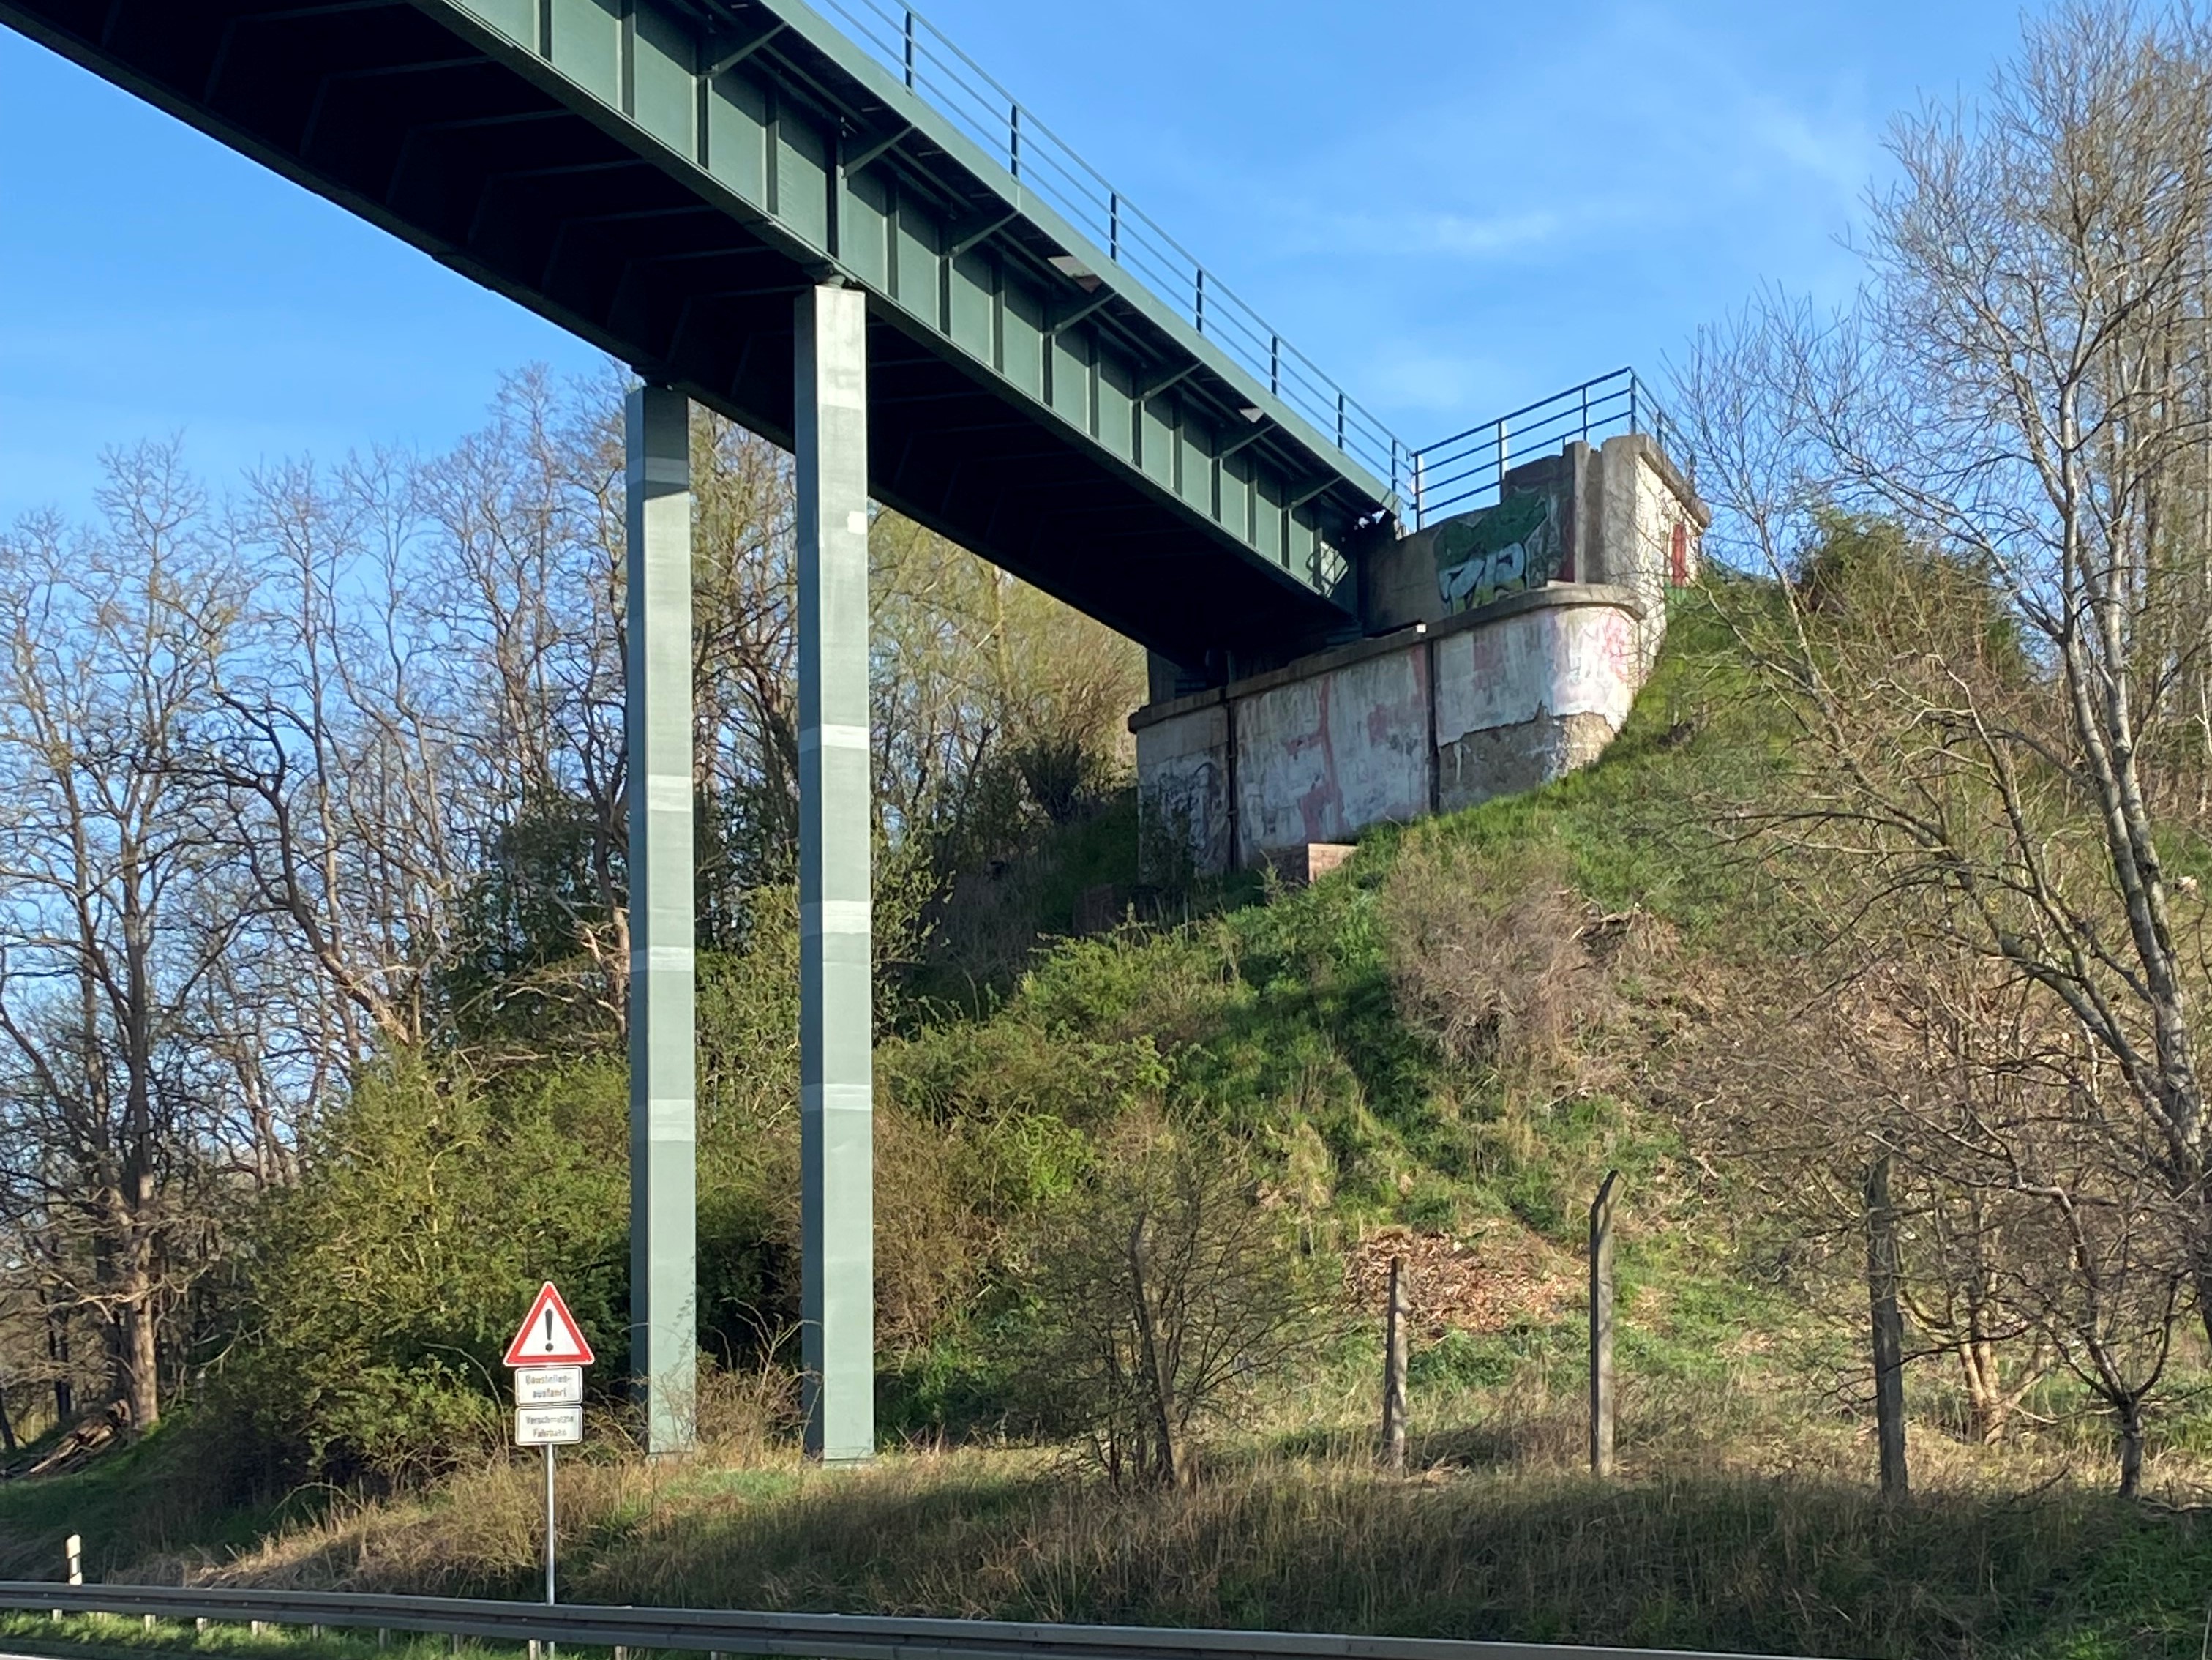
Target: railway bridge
{"points": [[828, 223]]}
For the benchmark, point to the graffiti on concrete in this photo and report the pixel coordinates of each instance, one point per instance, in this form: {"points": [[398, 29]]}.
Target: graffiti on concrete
{"points": [[1513, 545]]}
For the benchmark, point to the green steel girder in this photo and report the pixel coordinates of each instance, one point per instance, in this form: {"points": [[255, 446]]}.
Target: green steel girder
{"points": [[664, 177]]}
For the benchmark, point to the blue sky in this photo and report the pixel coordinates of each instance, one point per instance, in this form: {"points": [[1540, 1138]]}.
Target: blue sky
{"points": [[1453, 206]]}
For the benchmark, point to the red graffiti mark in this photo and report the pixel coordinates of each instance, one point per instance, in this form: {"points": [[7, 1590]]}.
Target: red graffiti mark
{"points": [[1679, 555], [1316, 806], [1619, 648], [1382, 721]]}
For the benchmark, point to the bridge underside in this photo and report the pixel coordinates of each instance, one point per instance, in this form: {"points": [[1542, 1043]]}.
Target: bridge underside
{"points": [[503, 173]]}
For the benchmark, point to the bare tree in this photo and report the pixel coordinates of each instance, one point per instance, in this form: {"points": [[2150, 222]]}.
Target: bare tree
{"points": [[1167, 1293], [114, 910], [2008, 730]]}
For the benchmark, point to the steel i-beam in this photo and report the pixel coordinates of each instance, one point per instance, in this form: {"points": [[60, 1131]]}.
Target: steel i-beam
{"points": [[663, 1116], [835, 1021]]}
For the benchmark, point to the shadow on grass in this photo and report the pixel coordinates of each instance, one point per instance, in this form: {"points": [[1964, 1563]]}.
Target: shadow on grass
{"points": [[163, 1493]]}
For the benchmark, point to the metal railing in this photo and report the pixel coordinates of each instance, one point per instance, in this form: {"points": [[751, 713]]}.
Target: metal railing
{"points": [[935, 70], [1458, 472], [1451, 474], [801, 1636]]}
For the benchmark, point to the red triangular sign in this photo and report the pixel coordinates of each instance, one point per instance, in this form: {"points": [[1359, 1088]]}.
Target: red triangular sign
{"points": [[550, 1335]]}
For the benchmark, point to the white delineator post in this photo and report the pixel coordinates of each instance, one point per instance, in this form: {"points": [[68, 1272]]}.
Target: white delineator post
{"points": [[836, 1019]]}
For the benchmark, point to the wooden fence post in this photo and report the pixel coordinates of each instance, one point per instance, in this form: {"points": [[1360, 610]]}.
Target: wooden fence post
{"points": [[1601, 1327], [1394, 1370], [1888, 1324]]}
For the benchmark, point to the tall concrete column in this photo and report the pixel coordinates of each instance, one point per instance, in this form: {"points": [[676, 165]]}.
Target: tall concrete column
{"points": [[662, 1119], [835, 1021]]}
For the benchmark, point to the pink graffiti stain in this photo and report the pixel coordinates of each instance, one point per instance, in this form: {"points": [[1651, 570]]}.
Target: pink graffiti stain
{"points": [[1321, 808], [1619, 648], [1489, 645]]}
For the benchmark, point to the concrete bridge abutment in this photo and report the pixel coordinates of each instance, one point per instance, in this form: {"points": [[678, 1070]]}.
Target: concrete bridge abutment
{"points": [[1504, 648]]}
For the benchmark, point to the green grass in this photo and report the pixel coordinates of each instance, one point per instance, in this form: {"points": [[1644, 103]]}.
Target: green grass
{"points": [[143, 1499], [1745, 1519], [1276, 1020], [115, 1637]]}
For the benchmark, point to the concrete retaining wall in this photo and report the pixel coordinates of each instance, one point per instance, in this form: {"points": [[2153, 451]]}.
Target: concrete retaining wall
{"points": [[1471, 688]]}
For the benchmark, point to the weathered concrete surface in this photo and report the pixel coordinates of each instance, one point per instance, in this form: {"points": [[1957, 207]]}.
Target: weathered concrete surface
{"points": [[1547, 518], [1532, 697], [1183, 773], [1651, 528], [1505, 697], [1621, 513], [1505, 649], [1321, 756]]}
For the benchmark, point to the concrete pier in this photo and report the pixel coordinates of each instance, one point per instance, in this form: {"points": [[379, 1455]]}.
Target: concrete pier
{"points": [[836, 957], [663, 1113]]}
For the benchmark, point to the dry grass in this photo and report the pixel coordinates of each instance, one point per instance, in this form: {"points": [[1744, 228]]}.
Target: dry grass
{"points": [[1742, 1522], [1804, 1563], [1486, 1278]]}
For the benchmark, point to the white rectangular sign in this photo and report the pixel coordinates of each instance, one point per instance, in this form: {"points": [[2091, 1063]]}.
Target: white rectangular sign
{"points": [[548, 1426], [549, 1386]]}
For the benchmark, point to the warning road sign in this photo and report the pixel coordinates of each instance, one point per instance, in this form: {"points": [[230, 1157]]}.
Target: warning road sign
{"points": [[550, 1335]]}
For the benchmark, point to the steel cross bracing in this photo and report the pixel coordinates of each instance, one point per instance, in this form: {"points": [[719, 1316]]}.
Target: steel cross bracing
{"points": [[663, 177]]}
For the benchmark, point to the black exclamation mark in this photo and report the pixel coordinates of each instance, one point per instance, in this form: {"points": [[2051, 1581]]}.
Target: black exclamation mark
{"points": [[549, 1331]]}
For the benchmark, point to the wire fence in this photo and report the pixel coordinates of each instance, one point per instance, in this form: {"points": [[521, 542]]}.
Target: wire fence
{"points": [[1466, 470], [935, 70]]}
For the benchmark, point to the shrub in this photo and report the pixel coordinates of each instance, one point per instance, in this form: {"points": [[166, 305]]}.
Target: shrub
{"points": [[1162, 1293]]}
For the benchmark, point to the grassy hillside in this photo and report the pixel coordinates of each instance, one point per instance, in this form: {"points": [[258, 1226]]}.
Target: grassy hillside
{"points": [[1436, 1053]]}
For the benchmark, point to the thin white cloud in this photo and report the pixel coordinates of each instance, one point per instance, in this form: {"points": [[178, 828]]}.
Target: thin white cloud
{"points": [[1486, 236], [1410, 376]]}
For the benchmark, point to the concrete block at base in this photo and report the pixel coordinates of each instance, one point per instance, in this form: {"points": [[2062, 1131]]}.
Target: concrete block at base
{"points": [[1308, 861]]}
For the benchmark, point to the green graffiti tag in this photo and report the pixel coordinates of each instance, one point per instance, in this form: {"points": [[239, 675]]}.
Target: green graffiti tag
{"points": [[1515, 545]]}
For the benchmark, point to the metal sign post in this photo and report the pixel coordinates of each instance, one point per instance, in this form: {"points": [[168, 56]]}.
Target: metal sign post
{"points": [[548, 1524], [549, 1355]]}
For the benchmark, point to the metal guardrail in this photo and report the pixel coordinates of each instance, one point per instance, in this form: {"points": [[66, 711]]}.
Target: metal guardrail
{"points": [[800, 1636], [936, 70], [1456, 473]]}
